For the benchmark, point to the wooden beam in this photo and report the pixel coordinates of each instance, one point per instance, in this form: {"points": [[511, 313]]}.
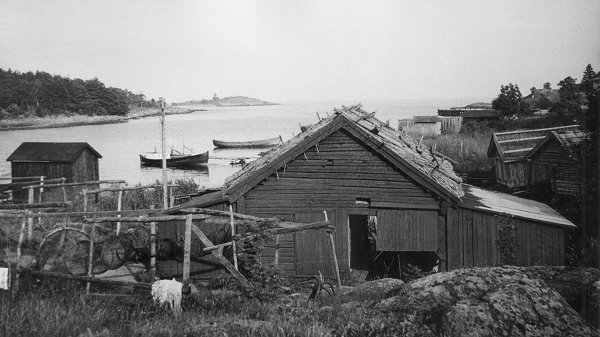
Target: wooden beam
{"points": [[335, 260], [296, 228], [217, 213], [132, 188], [187, 249], [141, 285], [235, 262], [520, 139], [144, 212], [81, 183], [31, 206], [147, 218]]}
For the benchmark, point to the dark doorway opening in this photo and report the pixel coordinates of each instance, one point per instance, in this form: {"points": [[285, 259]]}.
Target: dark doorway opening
{"points": [[359, 242]]}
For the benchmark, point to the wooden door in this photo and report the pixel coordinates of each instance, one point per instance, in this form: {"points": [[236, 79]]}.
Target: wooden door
{"points": [[313, 249]]}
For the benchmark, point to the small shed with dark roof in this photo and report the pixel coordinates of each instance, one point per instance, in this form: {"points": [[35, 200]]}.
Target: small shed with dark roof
{"points": [[556, 161], [389, 197], [74, 161], [510, 150]]}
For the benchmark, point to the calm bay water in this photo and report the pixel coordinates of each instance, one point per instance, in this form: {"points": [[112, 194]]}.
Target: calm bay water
{"points": [[121, 144]]}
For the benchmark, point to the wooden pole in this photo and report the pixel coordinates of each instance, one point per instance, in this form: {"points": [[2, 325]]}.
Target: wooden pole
{"points": [[64, 190], [29, 226], [152, 245], [335, 261], [19, 244], [85, 200], [187, 250], [171, 198], [41, 188], [276, 250], [235, 262], [119, 208], [164, 152], [91, 258]]}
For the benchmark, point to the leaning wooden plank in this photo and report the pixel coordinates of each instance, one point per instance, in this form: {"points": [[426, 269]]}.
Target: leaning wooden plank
{"points": [[88, 279], [177, 210], [206, 242], [290, 227], [148, 218]]}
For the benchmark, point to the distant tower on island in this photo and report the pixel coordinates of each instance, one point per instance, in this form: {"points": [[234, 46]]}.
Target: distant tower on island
{"points": [[215, 97]]}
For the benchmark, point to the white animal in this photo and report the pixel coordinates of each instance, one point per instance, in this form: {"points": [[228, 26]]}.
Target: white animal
{"points": [[167, 292]]}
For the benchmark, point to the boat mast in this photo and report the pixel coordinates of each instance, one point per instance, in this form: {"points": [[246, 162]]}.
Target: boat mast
{"points": [[164, 155]]}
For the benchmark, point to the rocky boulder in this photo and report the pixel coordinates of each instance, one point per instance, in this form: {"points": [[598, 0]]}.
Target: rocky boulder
{"points": [[496, 301], [376, 288]]}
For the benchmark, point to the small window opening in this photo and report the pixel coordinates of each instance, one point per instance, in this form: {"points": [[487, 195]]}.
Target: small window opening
{"points": [[363, 201]]}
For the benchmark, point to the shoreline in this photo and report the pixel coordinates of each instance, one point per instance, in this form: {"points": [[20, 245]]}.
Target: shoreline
{"points": [[33, 125]]}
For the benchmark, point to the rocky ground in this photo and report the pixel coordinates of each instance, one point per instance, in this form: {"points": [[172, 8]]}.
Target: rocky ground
{"points": [[497, 301]]}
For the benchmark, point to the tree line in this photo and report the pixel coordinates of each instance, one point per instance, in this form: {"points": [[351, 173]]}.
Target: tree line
{"points": [[564, 105], [42, 94]]}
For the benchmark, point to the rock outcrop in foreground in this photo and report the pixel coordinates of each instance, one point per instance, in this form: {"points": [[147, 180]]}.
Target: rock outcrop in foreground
{"points": [[498, 301]]}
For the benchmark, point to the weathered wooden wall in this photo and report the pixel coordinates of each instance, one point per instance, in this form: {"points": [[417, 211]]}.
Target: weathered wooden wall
{"points": [[513, 173], [471, 238], [331, 177], [407, 230], [451, 124], [551, 163], [426, 129]]}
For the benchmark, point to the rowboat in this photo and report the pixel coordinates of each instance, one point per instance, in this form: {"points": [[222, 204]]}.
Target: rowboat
{"points": [[174, 159], [248, 144]]}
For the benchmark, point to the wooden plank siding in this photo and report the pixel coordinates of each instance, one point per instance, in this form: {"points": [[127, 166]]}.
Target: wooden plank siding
{"points": [[512, 173], [552, 163], [407, 230], [331, 177], [472, 241]]}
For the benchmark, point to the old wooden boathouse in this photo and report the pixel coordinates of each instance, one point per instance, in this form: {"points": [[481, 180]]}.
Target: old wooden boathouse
{"points": [[509, 149], [556, 161], [76, 162], [386, 193]]}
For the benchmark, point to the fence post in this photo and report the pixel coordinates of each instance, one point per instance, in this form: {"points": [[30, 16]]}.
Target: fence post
{"points": [[152, 245], [119, 208], [276, 250], [91, 258]]}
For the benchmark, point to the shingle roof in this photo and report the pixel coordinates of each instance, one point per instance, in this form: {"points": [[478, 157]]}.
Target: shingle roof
{"points": [[502, 203], [50, 152], [404, 150], [515, 145], [569, 139]]}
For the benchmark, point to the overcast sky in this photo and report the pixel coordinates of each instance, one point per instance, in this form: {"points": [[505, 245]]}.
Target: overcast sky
{"points": [[304, 50]]}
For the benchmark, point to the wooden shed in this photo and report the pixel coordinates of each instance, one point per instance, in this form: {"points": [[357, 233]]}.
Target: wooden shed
{"points": [[510, 150], [385, 193], [556, 160], [422, 125], [74, 161]]}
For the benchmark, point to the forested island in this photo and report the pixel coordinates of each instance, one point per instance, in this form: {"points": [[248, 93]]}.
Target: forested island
{"points": [[39, 99], [226, 101]]}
